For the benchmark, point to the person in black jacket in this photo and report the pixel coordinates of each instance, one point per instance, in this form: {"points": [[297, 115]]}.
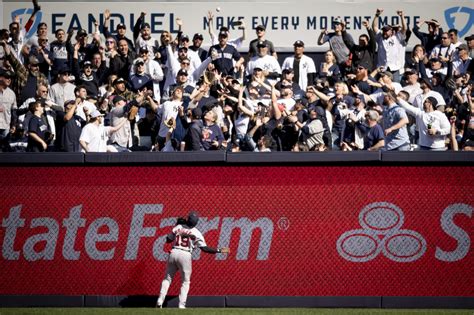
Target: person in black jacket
{"points": [[364, 52], [194, 130]]}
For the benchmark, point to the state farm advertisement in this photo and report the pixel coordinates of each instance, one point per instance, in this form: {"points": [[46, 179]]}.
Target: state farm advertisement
{"points": [[292, 231]]}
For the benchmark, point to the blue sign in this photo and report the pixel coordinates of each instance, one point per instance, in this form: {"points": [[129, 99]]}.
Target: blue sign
{"points": [[27, 13], [451, 14]]}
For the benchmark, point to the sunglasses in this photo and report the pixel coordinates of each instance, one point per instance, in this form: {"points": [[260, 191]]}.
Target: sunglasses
{"points": [[185, 63]]}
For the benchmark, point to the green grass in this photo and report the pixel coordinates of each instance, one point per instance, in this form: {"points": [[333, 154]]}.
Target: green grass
{"points": [[226, 311]]}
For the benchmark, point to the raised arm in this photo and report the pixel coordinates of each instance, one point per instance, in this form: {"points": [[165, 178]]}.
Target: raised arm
{"points": [[375, 21]]}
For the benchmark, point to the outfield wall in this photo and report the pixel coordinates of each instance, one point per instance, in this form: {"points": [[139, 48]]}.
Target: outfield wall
{"points": [[319, 230]]}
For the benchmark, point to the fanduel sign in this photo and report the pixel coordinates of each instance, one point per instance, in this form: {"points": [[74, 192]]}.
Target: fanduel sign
{"points": [[285, 22]]}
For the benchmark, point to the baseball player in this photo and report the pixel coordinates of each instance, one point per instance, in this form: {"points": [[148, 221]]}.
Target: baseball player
{"points": [[185, 237]]}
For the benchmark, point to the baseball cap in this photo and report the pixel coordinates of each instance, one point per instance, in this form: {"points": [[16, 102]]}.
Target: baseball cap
{"points": [[81, 33], [386, 28], [183, 48], [33, 60], [462, 47], [223, 34], [183, 72], [287, 71], [119, 80], [5, 73], [138, 60], [338, 21], [434, 59], [184, 37], [387, 73], [144, 49], [198, 36], [197, 112], [470, 37], [257, 69], [260, 27], [298, 43], [121, 25], [64, 70], [262, 43], [145, 25], [117, 99], [96, 114], [364, 64], [86, 63]]}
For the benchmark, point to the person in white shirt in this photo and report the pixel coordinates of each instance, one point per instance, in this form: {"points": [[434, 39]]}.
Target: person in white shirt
{"points": [[444, 50], [427, 89], [168, 110], [391, 45], [63, 90], [303, 66], [433, 124], [462, 62], [270, 66], [94, 135]]}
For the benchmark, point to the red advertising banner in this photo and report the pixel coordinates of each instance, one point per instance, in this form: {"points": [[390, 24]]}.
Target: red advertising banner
{"points": [[293, 231]]}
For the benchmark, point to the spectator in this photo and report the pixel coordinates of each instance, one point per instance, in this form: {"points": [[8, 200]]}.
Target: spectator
{"points": [[223, 56], [154, 70], [365, 51], [142, 36], [212, 136], [453, 36], [373, 132], [253, 50], [463, 63], [394, 123], [444, 50], [269, 65], [470, 44], [337, 44], [168, 110], [303, 66], [328, 69], [63, 90], [27, 78], [433, 125], [60, 58], [236, 42], [194, 131], [391, 43], [71, 126], [7, 105], [94, 135], [121, 62], [121, 31], [196, 46], [38, 135], [434, 36]]}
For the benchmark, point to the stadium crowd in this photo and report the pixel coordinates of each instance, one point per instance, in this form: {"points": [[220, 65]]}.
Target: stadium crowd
{"points": [[105, 92]]}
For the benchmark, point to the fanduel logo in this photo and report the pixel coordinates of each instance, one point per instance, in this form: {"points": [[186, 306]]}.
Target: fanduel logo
{"points": [[42, 246], [455, 14], [24, 15], [382, 232]]}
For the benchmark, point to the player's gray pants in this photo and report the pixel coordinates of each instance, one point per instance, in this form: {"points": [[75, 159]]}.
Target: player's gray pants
{"points": [[179, 260]]}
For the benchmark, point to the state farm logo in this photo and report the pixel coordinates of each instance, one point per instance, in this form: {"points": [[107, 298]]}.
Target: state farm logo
{"points": [[381, 232]]}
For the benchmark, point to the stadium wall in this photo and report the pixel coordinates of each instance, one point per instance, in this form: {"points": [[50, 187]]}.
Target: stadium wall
{"points": [[368, 229]]}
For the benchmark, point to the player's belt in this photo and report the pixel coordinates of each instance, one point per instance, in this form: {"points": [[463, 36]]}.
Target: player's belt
{"points": [[184, 250]]}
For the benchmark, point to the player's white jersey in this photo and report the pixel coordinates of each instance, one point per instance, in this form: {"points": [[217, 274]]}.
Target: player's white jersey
{"points": [[187, 238]]}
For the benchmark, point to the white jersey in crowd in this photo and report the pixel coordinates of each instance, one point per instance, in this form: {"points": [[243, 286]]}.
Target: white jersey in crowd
{"points": [[60, 93], [391, 53], [168, 109], [266, 63], [436, 119], [378, 95], [306, 66], [152, 44], [96, 137], [420, 99], [187, 238]]}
